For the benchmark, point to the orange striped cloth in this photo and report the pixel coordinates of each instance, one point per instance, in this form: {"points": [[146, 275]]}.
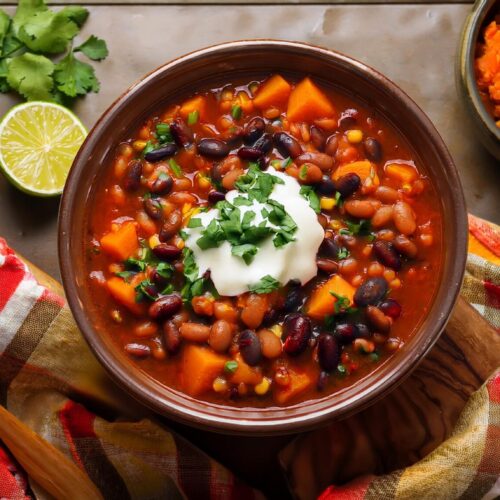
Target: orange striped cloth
{"points": [[467, 464], [51, 381]]}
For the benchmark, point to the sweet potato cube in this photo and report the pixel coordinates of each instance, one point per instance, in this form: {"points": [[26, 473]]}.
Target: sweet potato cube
{"points": [[197, 103], [124, 293], [364, 168], [273, 92], [299, 382], [200, 366], [245, 373], [121, 244], [322, 302], [308, 103], [406, 174]]}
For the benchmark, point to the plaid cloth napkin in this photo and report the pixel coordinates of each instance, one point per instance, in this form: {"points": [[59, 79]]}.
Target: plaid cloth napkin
{"points": [[50, 381], [466, 465]]}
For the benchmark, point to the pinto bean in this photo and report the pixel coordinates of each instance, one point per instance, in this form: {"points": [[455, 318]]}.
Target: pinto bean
{"points": [[318, 137], [138, 350], [195, 332], [271, 345], [362, 209], [221, 335], [382, 216], [225, 310], [332, 144], [229, 180], [387, 194], [254, 310], [322, 160], [171, 226], [404, 220], [310, 174], [378, 319], [405, 246]]}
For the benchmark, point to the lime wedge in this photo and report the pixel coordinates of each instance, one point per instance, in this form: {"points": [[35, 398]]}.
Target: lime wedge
{"points": [[38, 143]]}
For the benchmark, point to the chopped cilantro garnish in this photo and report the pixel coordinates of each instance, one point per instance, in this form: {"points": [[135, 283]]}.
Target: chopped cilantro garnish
{"points": [[163, 133], [126, 275], [338, 200], [194, 222], [266, 285], [165, 270], [231, 366], [303, 172], [342, 370], [362, 227], [150, 146], [286, 162], [374, 356], [142, 291], [310, 195], [236, 111], [247, 252], [342, 305], [259, 185], [193, 117], [176, 168], [343, 253]]}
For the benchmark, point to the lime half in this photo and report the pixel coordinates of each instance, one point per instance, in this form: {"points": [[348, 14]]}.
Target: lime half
{"points": [[38, 143]]}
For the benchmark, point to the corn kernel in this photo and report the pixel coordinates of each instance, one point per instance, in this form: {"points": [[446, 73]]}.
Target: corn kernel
{"points": [[219, 385], [395, 284], [154, 241], [336, 224], [277, 330], [263, 387], [327, 203], [186, 208], [179, 243], [203, 182], [354, 136], [139, 145]]}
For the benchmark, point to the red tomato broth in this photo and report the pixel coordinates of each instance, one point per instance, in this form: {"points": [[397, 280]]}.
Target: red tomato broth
{"points": [[418, 277]]}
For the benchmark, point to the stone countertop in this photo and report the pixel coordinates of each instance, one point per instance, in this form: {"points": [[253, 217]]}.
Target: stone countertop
{"points": [[414, 45]]}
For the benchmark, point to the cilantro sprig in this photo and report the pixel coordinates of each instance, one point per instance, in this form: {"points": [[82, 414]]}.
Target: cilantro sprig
{"points": [[266, 285], [31, 37]]}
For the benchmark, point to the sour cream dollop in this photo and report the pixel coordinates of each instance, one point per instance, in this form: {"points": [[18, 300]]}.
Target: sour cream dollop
{"points": [[296, 260]]}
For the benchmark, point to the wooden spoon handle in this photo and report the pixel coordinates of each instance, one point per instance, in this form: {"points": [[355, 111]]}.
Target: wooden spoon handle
{"points": [[55, 473]]}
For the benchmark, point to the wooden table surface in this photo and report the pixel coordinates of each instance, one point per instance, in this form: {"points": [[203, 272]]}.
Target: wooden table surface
{"points": [[413, 44]]}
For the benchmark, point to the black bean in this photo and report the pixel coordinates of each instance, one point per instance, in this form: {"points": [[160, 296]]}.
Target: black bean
{"points": [[171, 337], [265, 144], [216, 196], [326, 187], [213, 148], [263, 162], [294, 300], [250, 347], [182, 134], [387, 254], [348, 184], [249, 153], [328, 352], [253, 130], [166, 252], [373, 149], [346, 332], [371, 291], [161, 153], [162, 185], [363, 332], [296, 331], [171, 226], [165, 306], [322, 380], [329, 248], [348, 118], [132, 180], [270, 317], [391, 308], [287, 145], [332, 144], [153, 208], [318, 137]]}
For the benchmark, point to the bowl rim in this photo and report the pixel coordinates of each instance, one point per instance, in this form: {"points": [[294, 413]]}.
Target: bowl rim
{"points": [[260, 420], [473, 25]]}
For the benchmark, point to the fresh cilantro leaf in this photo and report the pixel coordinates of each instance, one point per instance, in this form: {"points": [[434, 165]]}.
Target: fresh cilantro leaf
{"points": [[342, 370], [165, 270], [94, 48], [4, 85], [342, 304], [212, 236], [197, 287], [74, 77], [303, 172], [194, 222], [266, 285], [362, 227], [338, 200], [236, 111], [25, 10], [183, 234], [241, 201], [143, 291], [310, 195], [4, 28], [163, 133], [176, 168], [136, 263], [126, 275], [193, 117], [48, 32], [231, 366], [190, 267], [150, 146], [31, 76], [246, 251], [343, 253], [11, 45], [286, 162]]}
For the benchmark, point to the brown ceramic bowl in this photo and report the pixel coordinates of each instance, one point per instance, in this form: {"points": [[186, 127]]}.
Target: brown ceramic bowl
{"points": [[208, 68]]}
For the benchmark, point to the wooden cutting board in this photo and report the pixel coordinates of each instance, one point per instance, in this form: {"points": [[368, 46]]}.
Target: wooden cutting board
{"points": [[393, 433]]}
